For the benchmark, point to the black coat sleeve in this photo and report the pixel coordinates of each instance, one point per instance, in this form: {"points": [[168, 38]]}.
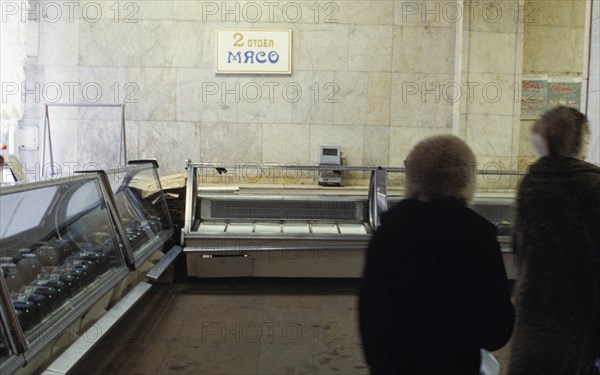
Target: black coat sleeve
{"points": [[495, 313], [370, 296]]}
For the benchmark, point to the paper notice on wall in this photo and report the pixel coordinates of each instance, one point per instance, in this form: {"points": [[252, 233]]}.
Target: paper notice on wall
{"points": [[534, 94], [565, 92]]}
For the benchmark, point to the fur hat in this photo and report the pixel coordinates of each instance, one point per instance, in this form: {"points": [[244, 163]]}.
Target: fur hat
{"points": [[560, 131], [441, 167]]}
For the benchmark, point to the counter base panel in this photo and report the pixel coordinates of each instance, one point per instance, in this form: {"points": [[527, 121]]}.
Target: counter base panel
{"points": [[309, 263]]}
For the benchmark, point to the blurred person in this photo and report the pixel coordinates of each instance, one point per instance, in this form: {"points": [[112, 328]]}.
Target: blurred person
{"points": [[557, 244], [435, 289]]}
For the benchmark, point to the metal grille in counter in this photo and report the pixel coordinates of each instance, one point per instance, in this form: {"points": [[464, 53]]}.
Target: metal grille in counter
{"points": [[284, 210], [495, 213]]}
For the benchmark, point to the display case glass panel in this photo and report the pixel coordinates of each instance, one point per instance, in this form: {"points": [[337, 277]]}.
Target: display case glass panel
{"points": [[59, 252], [142, 208]]}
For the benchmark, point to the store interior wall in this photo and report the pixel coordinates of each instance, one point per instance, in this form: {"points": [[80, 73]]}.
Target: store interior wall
{"points": [[371, 77]]}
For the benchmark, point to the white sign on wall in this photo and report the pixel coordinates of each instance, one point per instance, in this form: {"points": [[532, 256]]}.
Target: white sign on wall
{"points": [[254, 51]]}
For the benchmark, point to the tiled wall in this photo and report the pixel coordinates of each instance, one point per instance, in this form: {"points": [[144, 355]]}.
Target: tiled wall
{"points": [[554, 45], [376, 81]]}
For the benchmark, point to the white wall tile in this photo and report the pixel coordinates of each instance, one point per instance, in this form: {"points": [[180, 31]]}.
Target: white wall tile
{"points": [[423, 49], [202, 96], [106, 43], [402, 141], [171, 143], [320, 93], [320, 47], [420, 100], [230, 143], [352, 106], [492, 52], [490, 135], [156, 95], [172, 43], [379, 96], [286, 144], [376, 140], [369, 48], [59, 42]]}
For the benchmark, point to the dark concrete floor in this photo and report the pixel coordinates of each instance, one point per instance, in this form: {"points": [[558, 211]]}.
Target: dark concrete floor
{"points": [[238, 326], [242, 326]]}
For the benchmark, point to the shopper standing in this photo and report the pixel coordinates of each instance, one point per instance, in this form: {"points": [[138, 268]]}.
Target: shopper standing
{"points": [[434, 290], [557, 244]]}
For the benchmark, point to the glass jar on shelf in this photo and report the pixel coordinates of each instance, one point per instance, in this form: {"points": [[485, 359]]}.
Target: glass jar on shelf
{"points": [[13, 279], [30, 267]]}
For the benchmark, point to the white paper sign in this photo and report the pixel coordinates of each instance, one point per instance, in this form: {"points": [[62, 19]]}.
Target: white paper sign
{"points": [[254, 51]]}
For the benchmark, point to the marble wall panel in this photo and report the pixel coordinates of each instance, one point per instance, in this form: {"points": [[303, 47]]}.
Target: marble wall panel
{"points": [[553, 50], [190, 10], [595, 10], [230, 142], [550, 13], [147, 10], [379, 94], [132, 137], [97, 144], [376, 141], [489, 94], [320, 47], [268, 99], [202, 96], [59, 42], [156, 96], [109, 85], [352, 106], [60, 84], [33, 103], [524, 146], [490, 135], [423, 50], [402, 141], [169, 142], [429, 13], [492, 52], [369, 48], [286, 144], [65, 144], [505, 16], [360, 12], [109, 43], [320, 93], [172, 43], [420, 100]]}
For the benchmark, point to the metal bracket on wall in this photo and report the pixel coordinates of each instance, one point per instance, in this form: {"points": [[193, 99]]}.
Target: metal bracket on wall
{"points": [[122, 151]]}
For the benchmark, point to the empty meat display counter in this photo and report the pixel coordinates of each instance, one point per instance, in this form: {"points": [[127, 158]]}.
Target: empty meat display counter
{"points": [[291, 227]]}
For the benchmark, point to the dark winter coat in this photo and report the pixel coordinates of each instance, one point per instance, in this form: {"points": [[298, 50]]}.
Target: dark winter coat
{"points": [[434, 291], [557, 243]]}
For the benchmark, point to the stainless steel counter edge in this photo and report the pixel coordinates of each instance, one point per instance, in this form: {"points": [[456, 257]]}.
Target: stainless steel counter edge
{"points": [[79, 348]]}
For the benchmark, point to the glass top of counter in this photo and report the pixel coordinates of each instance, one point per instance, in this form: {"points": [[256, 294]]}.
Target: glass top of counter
{"points": [[142, 208], [59, 248]]}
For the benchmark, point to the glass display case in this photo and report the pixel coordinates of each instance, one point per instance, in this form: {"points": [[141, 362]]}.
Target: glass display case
{"points": [[142, 208], [61, 250]]}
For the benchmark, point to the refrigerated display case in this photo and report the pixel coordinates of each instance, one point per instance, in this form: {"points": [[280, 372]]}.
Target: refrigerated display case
{"points": [[301, 229], [142, 208], [62, 250]]}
